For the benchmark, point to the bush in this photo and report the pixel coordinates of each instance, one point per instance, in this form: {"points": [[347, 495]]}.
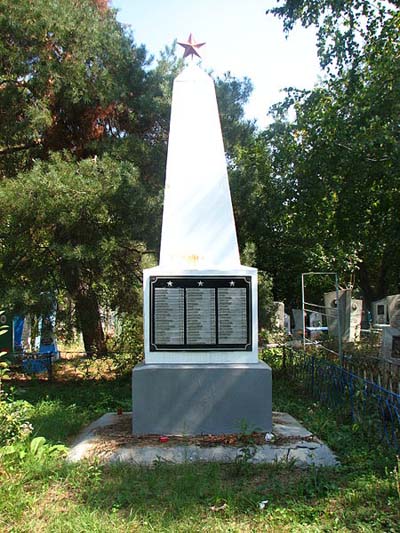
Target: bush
{"points": [[14, 424], [127, 347]]}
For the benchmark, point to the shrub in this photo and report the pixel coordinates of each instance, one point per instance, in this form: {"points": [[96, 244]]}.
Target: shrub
{"points": [[126, 349], [14, 424]]}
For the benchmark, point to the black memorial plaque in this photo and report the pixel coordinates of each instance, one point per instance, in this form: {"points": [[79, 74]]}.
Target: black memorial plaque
{"points": [[206, 313]]}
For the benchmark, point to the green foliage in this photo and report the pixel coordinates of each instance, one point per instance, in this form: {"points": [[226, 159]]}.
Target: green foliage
{"points": [[73, 80], [260, 212], [338, 159], [319, 192], [83, 136], [396, 476], [265, 296], [360, 495], [344, 28], [266, 306], [128, 343], [69, 76], [37, 451], [59, 415], [248, 448], [232, 95], [4, 374], [77, 227], [4, 370], [14, 420]]}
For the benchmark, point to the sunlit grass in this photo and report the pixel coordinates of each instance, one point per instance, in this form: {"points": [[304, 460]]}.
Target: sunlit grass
{"points": [[51, 495]]}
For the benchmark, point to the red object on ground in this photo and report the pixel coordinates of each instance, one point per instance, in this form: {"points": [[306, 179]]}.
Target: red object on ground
{"points": [[119, 411], [163, 439]]}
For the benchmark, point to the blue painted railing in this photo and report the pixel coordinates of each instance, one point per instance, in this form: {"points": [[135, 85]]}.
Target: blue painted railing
{"points": [[369, 404]]}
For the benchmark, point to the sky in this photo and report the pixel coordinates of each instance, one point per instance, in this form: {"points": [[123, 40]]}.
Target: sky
{"points": [[239, 37]]}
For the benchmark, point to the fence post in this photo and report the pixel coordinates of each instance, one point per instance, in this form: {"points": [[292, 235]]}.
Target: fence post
{"points": [[50, 367], [312, 373], [351, 392]]}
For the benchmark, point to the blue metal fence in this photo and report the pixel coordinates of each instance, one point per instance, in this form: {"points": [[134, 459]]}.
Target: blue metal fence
{"points": [[369, 404]]}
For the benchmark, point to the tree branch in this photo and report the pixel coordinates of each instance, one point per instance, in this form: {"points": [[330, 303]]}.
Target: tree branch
{"points": [[136, 250], [19, 147], [373, 160]]}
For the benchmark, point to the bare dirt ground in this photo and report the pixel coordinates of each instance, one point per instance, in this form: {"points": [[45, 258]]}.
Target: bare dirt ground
{"points": [[119, 435]]}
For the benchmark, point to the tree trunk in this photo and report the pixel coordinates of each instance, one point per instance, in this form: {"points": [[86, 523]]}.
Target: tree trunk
{"points": [[87, 308], [383, 288], [368, 292]]}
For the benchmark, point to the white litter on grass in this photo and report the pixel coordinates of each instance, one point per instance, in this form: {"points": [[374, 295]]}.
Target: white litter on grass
{"points": [[269, 437], [216, 508], [263, 504]]}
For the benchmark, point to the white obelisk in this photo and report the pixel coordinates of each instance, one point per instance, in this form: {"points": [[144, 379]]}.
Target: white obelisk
{"points": [[200, 303], [198, 228]]}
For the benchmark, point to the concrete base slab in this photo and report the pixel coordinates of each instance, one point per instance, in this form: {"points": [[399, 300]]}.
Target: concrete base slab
{"points": [[109, 439], [193, 399]]}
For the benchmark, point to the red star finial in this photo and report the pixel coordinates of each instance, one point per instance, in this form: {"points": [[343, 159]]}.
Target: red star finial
{"points": [[190, 47]]}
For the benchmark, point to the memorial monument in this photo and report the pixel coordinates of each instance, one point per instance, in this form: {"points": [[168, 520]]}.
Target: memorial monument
{"points": [[350, 310], [279, 315], [390, 347], [201, 372], [379, 312]]}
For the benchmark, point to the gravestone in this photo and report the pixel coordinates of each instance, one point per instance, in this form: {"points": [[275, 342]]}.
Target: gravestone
{"points": [[390, 344], [390, 347], [315, 319], [27, 334], [393, 307], [279, 315], [287, 324], [298, 322], [379, 312], [7, 338], [396, 346], [350, 312], [201, 372], [18, 326], [48, 339]]}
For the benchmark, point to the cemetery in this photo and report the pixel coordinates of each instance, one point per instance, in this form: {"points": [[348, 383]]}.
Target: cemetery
{"points": [[200, 320]]}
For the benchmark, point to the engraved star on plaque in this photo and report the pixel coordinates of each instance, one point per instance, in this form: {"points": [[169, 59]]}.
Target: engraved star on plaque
{"points": [[232, 283], [200, 283], [169, 283]]}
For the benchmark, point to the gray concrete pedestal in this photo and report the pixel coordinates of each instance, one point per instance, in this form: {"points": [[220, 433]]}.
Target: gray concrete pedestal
{"points": [[194, 399]]}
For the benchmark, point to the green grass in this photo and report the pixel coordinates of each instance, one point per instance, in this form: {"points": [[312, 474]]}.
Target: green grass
{"points": [[61, 409], [50, 495]]}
